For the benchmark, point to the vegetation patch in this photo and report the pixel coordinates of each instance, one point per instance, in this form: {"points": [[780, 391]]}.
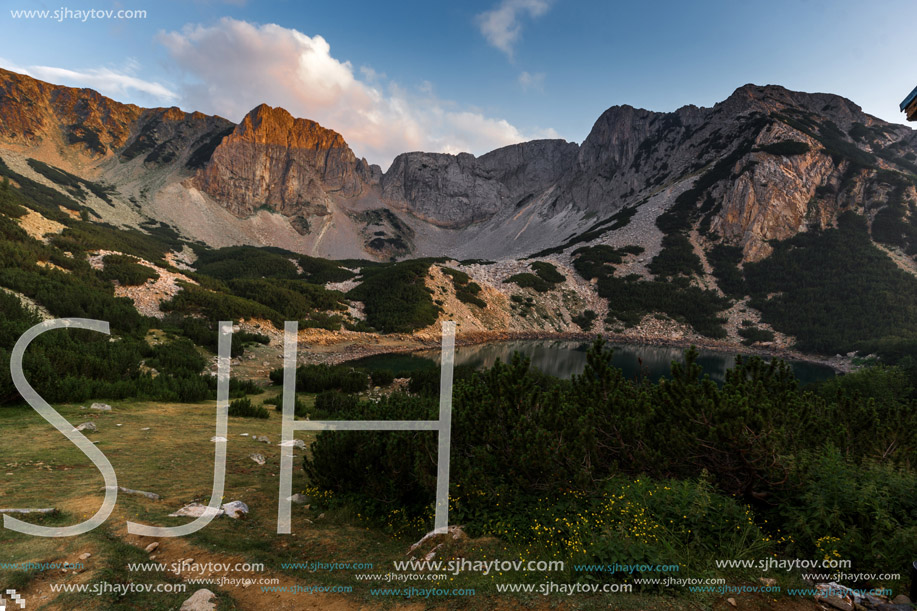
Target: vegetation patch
{"points": [[725, 260], [630, 299], [244, 408], [9, 201], [319, 378], [618, 220], [529, 281], [891, 225], [74, 184], [835, 142], [690, 487], [395, 296], [787, 148], [677, 258], [44, 199], [237, 262], [835, 291], [195, 300], [547, 272], [126, 270], [151, 244], [300, 407], [595, 261], [545, 278], [585, 319], [466, 291], [754, 335], [294, 299]]}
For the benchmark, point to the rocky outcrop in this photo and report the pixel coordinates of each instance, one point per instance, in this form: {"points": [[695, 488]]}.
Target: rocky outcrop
{"points": [[773, 197], [35, 113], [292, 166], [161, 136], [455, 191]]}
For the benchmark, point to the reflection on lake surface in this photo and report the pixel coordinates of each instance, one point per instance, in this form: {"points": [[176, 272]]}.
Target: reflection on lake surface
{"points": [[565, 358]]}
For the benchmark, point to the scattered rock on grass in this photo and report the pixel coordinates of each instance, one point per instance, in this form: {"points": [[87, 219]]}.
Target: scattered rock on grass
{"points": [[88, 426], [453, 533], [199, 601], [258, 458], [101, 407], [150, 495], [195, 510], [235, 510]]}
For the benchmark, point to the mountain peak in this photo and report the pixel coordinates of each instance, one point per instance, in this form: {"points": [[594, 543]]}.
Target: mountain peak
{"points": [[290, 165], [767, 98], [265, 124]]}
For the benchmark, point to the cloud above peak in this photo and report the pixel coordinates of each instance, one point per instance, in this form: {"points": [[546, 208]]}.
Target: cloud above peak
{"points": [[232, 66], [501, 25]]}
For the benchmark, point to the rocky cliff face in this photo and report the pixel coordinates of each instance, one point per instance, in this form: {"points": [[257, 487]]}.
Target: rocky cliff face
{"points": [[292, 166], [160, 136], [35, 113], [455, 191]]}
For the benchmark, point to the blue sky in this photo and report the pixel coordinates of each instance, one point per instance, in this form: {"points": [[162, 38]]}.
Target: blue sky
{"points": [[395, 76]]}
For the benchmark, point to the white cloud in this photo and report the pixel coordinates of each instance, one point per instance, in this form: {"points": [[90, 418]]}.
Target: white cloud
{"points": [[501, 25], [119, 84], [232, 66], [530, 81]]}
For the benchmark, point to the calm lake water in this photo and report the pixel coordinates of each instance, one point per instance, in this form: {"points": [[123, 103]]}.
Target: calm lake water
{"points": [[564, 358]]}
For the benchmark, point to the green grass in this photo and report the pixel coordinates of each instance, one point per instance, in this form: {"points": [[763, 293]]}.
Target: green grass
{"points": [[180, 469]]}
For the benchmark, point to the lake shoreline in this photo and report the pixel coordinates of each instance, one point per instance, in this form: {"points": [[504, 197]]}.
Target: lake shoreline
{"points": [[838, 364]]}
